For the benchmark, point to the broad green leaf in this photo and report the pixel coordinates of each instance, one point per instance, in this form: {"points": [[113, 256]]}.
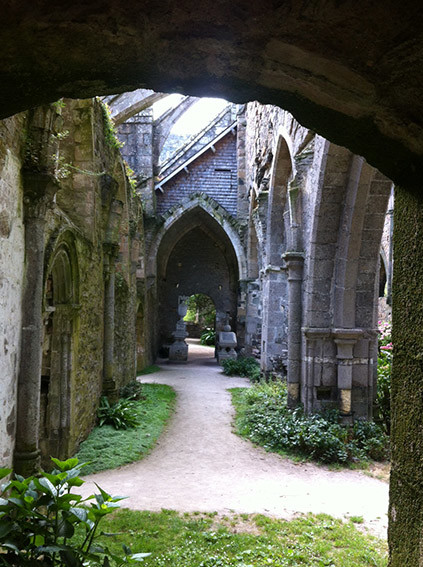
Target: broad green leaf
{"points": [[126, 549], [5, 528], [66, 529], [80, 513], [4, 472], [18, 502], [65, 465], [75, 481], [45, 483], [39, 540]]}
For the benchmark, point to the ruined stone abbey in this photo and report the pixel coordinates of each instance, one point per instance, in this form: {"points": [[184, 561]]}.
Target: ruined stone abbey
{"points": [[279, 227], [267, 212]]}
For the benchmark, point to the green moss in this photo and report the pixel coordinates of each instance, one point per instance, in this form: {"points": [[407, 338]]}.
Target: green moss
{"points": [[110, 133], [406, 497]]}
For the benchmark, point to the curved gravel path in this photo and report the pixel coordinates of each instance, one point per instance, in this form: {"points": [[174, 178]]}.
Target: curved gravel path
{"points": [[199, 464]]}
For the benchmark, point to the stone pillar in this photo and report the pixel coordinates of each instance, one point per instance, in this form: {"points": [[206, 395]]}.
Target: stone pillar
{"points": [[109, 384], [39, 191], [345, 339], [405, 533], [295, 263], [390, 213], [274, 328], [137, 135], [65, 400]]}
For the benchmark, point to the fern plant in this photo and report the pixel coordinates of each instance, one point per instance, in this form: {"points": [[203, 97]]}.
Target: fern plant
{"points": [[121, 415]]}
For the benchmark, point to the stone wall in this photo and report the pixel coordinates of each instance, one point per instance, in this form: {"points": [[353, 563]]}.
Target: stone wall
{"points": [[77, 224], [11, 276]]}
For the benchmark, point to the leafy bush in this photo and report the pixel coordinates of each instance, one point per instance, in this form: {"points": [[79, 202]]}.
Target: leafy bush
{"points": [[208, 337], [384, 368], [201, 310], [265, 419], [244, 366], [121, 415], [43, 523], [133, 390]]}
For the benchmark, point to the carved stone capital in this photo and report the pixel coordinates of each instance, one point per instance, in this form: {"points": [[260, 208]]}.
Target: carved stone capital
{"points": [[39, 192]]}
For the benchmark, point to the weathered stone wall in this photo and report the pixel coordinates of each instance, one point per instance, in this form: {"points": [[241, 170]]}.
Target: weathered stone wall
{"points": [[11, 277], [406, 497], [136, 134], [87, 219], [94, 203]]}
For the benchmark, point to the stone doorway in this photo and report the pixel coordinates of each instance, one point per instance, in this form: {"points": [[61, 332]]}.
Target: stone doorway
{"points": [[57, 354]]}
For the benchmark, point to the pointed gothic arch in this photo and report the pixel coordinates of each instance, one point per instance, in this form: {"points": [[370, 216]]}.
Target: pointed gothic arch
{"points": [[197, 250], [61, 298]]}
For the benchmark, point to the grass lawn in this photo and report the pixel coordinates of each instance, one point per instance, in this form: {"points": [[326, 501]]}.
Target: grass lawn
{"points": [[149, 370], [108, 448], [242, 540]]}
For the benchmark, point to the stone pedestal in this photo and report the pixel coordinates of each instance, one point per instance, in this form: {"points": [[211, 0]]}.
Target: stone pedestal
{"points": [[226, 345], [345, 339], [178, 351]]}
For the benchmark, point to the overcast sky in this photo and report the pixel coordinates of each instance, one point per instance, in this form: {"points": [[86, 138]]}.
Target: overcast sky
{"points": [[196, 117]]}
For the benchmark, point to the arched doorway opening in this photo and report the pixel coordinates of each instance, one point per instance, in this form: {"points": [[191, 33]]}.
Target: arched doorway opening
{"points": [[57, 352], [201, 318], [196, 256]]}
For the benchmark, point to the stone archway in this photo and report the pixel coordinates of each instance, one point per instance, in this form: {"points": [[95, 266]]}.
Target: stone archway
{"points": [[345, 69], [341, 297], [196, 255], [274, 335], [60, 302]]}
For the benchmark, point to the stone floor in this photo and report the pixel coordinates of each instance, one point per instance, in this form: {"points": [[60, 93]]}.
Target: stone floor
{"points": [[199, 464]]}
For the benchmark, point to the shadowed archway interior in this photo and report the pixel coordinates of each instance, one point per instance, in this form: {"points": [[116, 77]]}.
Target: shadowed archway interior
{"points": [[196, 256]]}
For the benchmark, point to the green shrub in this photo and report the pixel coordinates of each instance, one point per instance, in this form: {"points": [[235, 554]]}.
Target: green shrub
{"points": [[208, 337], [121, 415], [384, 368], [43, 523], [133, 390], [263, 417], [243, 366]]}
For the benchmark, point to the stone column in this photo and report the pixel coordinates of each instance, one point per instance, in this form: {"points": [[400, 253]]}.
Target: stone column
{"points": [[274, 328], [109, 384], [65, 400], [295, 263], [405, 533], [39, 191], [345, 339]]}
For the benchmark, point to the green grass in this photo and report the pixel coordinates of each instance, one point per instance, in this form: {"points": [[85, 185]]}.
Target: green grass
{"points": [[207, 540], [108, 448], [149, 370]]}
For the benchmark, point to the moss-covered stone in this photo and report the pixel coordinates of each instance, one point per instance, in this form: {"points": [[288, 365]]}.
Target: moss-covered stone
{"points": [[406, 492]]}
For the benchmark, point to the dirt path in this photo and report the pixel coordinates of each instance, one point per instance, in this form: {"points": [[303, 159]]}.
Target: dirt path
{"points": [[200, 465]]}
